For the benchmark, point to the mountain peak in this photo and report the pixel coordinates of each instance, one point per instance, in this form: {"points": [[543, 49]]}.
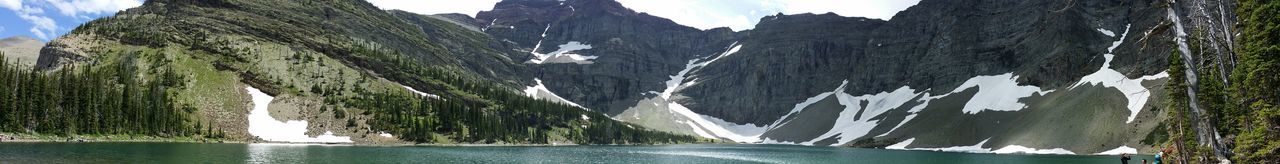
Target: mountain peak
{"points": [[19, 39]]}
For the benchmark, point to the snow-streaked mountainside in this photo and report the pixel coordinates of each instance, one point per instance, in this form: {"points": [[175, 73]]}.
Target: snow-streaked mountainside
{"points": [[976, 76], [992, 76]]}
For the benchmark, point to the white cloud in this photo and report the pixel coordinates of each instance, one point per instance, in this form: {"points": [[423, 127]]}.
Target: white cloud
{"points": [[705, 14], [702, 14], [45, 27], [879, 9], [469, 7], [1, 28], [74, 8], [41, 26], [741, 15], [11, 4]]}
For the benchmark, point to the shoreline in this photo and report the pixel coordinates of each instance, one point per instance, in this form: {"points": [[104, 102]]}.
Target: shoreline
{"points": [[39, 138], [42, 138]]}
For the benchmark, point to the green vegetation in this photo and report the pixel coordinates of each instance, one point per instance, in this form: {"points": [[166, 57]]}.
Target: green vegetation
{"points": [[1256, 83], [102, 99], [1242, 106], [482, 112], [343, 57], [1182, 134]]}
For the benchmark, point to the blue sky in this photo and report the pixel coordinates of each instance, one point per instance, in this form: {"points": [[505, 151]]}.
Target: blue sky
{"points": [[47, 19]]}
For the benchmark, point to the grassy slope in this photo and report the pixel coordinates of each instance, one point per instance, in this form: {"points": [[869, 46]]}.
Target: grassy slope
{"points": [[290, 48]]}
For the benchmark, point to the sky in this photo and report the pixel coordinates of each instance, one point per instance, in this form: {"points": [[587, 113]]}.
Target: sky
{"points": [[702, 14], [48, 19]]}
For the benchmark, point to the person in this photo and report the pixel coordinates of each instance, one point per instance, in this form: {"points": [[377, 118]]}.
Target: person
{"points": [[1124, 158], [1158, 155]]}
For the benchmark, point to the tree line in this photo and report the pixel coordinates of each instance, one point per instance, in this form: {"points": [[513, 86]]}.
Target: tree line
{"points": [[1238, 95], [95, 99], [474, 111]]}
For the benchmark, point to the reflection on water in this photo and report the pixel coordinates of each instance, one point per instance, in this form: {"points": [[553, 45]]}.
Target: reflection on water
{"points": [[275, 153], [291, 153]]}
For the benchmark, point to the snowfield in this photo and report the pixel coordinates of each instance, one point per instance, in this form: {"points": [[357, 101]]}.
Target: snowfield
{"points": [[263, 126], [540, 91], [997, 93], [977, 148], [1018, 149], [848, 126], [1133, 90], [564, 55], [702, 125], [1119, 150], [1107, 32], [1011, 149], [420, 93]]}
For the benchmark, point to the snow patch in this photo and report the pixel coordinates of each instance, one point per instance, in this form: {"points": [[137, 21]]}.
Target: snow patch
{"points": [[1119, 150], [697, 130], [924, 102], [420, 93], [901, 145], [1011, 149], [1107, 32], [540, 91], [997, 93], [849, 125], [964, 149], [385, 134], [723, 129], [707, 126], [584, 117], [563, 55], [805, 104], [1134, 92], [263, 126], [1018, 149], [677, 80]]}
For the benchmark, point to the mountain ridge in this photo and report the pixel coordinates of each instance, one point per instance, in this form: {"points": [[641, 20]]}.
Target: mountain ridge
{"points": [[940, 74]]}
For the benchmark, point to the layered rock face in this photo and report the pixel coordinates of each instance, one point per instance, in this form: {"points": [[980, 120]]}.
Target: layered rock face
{"points": [[1080, 75], [943, 73], [632, 53]]}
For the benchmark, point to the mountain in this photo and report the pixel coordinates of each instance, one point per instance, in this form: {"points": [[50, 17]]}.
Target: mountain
{"points": [[1003, 76], [624, 53], [21, 49], [329, 71], [998, 74]]}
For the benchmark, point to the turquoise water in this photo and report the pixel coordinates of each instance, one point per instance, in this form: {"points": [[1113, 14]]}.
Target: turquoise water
{"points": [[275, 153]]}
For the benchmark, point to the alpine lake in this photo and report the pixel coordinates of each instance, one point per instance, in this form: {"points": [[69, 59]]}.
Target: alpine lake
{"points": [[710, 153]]}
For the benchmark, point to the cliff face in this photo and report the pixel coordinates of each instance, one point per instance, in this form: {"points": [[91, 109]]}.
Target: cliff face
{"points": [[944, 73], [634, 52], [1082, 75]]}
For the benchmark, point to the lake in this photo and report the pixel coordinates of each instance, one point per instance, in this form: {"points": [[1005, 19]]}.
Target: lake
{"points": [[281, 153]]}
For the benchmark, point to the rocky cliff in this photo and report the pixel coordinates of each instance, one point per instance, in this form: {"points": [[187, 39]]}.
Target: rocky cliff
{"points": [[998, 74], [1079, 76]]}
